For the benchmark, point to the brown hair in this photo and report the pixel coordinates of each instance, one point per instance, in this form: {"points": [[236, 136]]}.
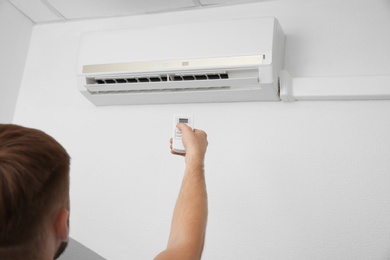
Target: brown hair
{"points": [[34, 183]]}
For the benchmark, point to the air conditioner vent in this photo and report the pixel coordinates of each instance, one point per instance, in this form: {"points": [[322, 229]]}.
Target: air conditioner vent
{"points": [[214, 81], [157, 78]]}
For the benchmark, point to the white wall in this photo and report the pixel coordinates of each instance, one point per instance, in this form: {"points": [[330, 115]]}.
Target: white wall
{"points": [[15, 33], [304, 180]]}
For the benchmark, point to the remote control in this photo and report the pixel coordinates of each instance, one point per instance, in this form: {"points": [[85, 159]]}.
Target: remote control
{"points": [[177, 143]]}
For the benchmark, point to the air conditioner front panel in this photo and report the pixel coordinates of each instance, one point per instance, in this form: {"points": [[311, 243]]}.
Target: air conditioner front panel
{"points": [[226, 38]]}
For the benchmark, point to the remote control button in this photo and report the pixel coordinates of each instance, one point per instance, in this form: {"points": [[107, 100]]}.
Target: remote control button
{"points": [[178, 134]]}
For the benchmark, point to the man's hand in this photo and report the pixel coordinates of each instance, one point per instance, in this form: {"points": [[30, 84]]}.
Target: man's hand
{"points": [[195, 143]]}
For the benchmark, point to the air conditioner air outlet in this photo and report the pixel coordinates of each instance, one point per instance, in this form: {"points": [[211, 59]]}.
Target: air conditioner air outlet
{"points": [[112, 80], [175, 85]]}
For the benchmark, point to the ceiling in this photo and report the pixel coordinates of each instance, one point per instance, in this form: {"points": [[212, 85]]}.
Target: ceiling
{"points": [[47, 11]]}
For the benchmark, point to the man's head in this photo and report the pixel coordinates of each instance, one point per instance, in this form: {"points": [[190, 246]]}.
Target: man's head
{"points": [[34, 194]]}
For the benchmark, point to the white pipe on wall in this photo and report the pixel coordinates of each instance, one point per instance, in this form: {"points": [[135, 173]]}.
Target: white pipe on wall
{"points": [[334, 88]]}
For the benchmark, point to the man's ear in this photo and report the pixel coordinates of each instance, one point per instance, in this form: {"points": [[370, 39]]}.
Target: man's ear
{"points": [[61, 225]]}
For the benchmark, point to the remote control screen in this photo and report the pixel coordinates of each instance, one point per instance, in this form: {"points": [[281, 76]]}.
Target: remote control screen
{"points": [[183, 120]]}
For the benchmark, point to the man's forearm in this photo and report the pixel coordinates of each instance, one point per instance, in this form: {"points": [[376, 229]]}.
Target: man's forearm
{"points": [[190, 216]]}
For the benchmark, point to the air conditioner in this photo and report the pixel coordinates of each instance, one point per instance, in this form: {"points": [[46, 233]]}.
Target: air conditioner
{"points": [[217, 61]]}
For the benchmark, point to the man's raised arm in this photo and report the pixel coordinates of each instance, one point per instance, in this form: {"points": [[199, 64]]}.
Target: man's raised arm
{"points": [[188, 228]]}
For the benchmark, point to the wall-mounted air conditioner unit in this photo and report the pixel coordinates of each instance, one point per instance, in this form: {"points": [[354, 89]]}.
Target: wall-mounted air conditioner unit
{"points": [[218, 61]]}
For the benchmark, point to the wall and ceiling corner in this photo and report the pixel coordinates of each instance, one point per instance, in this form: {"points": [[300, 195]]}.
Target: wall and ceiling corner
{"points": [[15, 34], [49, 11]]}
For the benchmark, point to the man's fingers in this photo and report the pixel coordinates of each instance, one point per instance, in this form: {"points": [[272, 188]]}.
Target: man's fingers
{"points": [[183, 127]]}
